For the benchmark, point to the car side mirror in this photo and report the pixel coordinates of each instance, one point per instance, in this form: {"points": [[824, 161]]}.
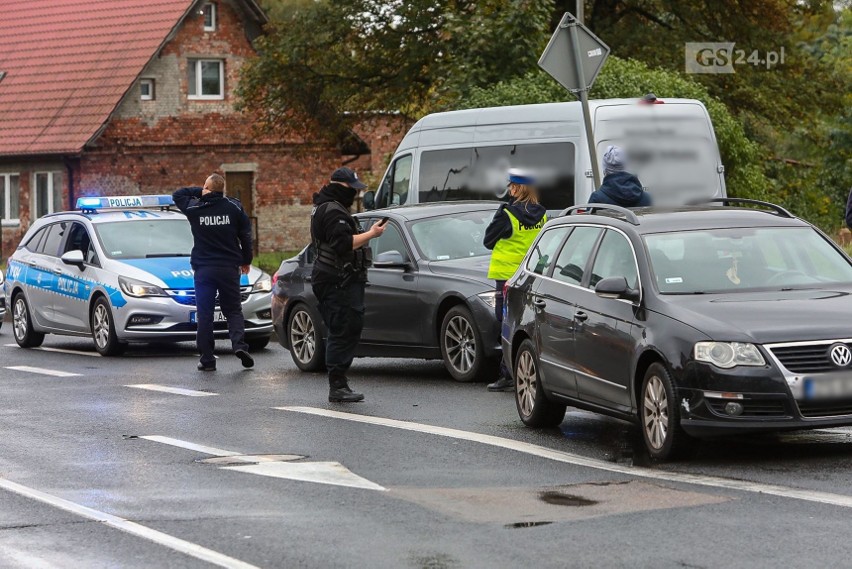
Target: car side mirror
{"points": [[390, 260], [369, 200], [616, 288], [74, 258]]}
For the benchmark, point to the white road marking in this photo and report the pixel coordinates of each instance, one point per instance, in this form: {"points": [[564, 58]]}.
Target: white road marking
{"points": [[332, 473], [189, 446], [164, 539], [58, 350], [175, 390], [43, 371], [569, 458]]}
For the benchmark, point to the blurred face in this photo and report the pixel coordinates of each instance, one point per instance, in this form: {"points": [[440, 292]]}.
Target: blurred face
{"points": [[207, 187]]}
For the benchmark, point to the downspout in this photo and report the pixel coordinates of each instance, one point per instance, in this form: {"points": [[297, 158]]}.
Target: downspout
{"points": [[70, 169]]}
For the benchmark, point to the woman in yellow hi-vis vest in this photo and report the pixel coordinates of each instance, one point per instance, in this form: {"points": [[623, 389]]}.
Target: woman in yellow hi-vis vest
{"points": [[510, 235]]}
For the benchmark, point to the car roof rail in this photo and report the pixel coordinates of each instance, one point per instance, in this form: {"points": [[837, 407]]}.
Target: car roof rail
{"points": [[774, 207], [591, 208]]}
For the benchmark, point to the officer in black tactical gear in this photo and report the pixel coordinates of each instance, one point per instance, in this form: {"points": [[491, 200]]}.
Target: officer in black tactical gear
{"points": [[222, 252], [339, 275]]}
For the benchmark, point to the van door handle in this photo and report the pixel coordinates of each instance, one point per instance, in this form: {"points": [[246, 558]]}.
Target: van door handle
{"points": [[539, 303], [581, 316]]}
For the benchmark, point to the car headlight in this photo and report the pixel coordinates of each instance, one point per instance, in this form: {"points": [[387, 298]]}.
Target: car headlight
{"points": [[489, 298], [728, 354], [136, 288], [263, 284]]}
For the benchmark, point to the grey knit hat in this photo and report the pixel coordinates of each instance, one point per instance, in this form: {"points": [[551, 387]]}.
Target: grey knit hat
{"points": [[614, 160]]}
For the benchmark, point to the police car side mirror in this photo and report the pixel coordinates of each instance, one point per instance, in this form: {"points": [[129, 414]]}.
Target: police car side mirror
{"points": [[74, 258], [389, 260], [616, 288], [369, 200]]}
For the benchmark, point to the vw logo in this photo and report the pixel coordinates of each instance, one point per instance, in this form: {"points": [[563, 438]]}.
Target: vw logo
{"points": [[841, 355]]}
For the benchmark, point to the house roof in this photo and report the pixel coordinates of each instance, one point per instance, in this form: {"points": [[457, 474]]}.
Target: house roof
{"points": [[68, 63]]}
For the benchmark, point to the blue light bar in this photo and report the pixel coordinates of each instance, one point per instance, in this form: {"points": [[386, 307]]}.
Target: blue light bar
{"points": [[123, 202]]}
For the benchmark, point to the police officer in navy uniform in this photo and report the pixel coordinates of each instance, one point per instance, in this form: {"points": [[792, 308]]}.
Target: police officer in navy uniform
{"points": [[339, 276], [221, 253]]}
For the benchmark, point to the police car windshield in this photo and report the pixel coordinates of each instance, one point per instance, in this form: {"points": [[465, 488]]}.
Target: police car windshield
{"points": [[452, 236], [145, 239]]}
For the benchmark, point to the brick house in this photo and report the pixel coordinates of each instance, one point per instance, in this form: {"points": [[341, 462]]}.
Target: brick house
{"points": [[126, 97]]}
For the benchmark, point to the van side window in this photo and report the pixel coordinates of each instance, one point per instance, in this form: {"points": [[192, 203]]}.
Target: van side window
{"points": [[394, 190], [552, 163], [444, 175]]}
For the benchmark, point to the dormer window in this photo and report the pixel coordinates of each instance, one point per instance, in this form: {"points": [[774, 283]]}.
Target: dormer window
{"points": [[209, 13]]}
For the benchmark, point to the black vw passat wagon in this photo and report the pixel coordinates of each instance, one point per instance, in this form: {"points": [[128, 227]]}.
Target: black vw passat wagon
{"points": [[698, 321]]}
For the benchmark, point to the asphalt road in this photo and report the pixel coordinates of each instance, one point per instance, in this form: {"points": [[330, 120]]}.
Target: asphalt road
{"points": [[254, 468]]}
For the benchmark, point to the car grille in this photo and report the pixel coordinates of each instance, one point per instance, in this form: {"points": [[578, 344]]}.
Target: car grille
{"points": [[830, 408], [752, 407], [186, 297], [808, 358]]}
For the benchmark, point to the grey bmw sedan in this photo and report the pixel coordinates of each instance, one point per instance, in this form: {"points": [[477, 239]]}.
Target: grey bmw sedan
{"points": [[428, 294]]}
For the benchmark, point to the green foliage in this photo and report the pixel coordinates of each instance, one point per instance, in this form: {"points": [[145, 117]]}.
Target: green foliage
{"points": [[626, 78], [270, 262]]}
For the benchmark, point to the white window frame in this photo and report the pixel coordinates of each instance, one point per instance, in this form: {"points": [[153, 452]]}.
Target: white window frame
{"points": [[197, 63], [212, 7], [51, 190], [151, 93], [6, 186]]}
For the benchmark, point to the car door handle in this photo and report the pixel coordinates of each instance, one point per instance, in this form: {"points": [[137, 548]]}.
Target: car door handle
{"points": [[581, 316], [57, 270], [539, 303]]}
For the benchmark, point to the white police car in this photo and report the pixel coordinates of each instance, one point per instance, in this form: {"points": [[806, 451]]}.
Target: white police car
{"points": [[118, 270]]}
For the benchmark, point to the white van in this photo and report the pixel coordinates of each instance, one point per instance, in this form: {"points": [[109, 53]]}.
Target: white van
{"points": [[462, 155]]}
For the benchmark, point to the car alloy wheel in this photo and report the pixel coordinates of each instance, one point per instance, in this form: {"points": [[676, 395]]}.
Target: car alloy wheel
{"points": [[303, 336], [534, 407], [100, 326], [103, 330], [659, 416], [656, 414], [460, 344], [305, 339], [22, 324], [526, 383]]}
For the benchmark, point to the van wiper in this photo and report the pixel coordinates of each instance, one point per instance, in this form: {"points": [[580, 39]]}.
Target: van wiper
{"points": [[156, 255]]}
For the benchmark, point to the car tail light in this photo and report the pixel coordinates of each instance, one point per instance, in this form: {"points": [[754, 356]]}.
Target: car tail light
{"points": [[274, 279], [505, 289]]}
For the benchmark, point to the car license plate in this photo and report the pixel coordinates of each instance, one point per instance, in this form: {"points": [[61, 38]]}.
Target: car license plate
{"points": [[832, 387], [217, 317]]}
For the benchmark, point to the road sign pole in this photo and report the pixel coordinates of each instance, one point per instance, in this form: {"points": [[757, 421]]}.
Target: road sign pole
{"points": [[584, 101]]}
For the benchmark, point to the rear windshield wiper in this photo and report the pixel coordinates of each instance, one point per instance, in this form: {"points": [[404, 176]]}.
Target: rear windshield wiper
{"points": [[155, 255]]}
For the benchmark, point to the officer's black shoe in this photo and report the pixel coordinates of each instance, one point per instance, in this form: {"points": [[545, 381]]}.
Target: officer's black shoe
{"points": [[343, 395], [244, 356], [206, 367], [502, 384]]}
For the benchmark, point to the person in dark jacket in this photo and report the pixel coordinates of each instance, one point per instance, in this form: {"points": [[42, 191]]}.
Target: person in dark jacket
{"points": [[509, 236], [619, 187], [849, 210], [340, 275], [221, 252]]}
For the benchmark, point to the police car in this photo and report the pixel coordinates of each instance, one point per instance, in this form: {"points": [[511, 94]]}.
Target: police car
{"points": [[118, 270]]}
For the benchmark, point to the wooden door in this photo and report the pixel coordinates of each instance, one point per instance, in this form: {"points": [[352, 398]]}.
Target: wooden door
{"points": [[239, 185]]}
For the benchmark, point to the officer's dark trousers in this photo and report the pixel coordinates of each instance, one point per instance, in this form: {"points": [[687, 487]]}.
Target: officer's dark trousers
{"points": [[498, 311], [342, 310], [225, 281]]}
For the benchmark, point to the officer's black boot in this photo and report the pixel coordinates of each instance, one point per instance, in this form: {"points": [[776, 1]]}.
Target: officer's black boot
{"points": [[339, 392]]}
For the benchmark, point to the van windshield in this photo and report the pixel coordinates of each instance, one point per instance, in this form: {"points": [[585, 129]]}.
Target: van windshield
{"points": [[670, 148]]}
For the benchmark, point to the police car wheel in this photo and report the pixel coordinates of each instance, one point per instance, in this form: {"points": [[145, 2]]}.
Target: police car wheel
{"points": [[22, 324], [534, 408], [307, 346], [461, 347], [103, 330]]}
